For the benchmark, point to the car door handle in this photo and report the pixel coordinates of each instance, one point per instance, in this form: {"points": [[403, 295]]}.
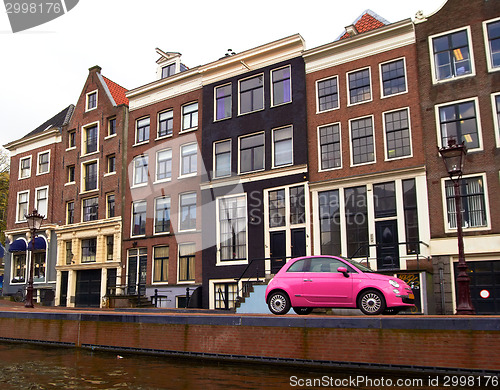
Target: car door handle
{"points": [[307, 280]]}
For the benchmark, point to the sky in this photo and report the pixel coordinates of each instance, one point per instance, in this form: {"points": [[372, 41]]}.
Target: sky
{"points": [[43, 69]]}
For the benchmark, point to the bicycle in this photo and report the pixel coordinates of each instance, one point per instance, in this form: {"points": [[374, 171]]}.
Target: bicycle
{"points": [[19, 296]]}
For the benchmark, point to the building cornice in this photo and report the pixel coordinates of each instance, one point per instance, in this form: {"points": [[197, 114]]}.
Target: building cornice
{"points": [[36, 141]]}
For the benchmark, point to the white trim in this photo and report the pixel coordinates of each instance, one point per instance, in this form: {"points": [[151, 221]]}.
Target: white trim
{"points": [[350, 141], [82, 176], [320, 169], [153, 266], [31, 166], [214, 162], [156, 181], [478, 121], [17, 205], [107, 203], [132, 218], [108, 121], [142, 183], [169, 213], [38, 173], [193, 128], [81, 208], [272, 89], [158, 137], [87, 95], [471, 54], [179, 214], [496, 120], [382, 96], [68, 147], [273, 162], [487, 45], [263, 94], [317, 94], [135, 131], [239, 152], [190, 174], [215, 102], [349, 90], [386, 157], [185, 282], [42, 212], [83, 137]]}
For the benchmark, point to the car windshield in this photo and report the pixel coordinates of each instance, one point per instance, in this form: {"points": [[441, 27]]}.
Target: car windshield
{"points": [[358, 265]]}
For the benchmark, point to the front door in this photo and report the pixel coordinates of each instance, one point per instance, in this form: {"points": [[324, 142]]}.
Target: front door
{"points": [[64, 288], [387, 244], [298, 242], [278, 250], [88, 288]]}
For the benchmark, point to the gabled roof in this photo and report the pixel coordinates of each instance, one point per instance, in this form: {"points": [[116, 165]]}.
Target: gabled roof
{"points": [[117, 91], [57, 121], [367, 21]]}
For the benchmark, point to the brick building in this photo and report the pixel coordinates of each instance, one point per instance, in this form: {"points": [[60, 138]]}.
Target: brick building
{"points": [[458, 50]]}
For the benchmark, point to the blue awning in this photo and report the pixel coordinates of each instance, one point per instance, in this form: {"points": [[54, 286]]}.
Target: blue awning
{"points": [[18, 245], [39, 244]]}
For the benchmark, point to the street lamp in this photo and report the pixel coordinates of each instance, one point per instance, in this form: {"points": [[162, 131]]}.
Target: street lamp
{"points": [[454, 156], [34, 222]]}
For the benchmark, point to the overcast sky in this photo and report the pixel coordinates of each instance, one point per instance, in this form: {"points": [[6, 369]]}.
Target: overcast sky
{"points": [[42, 70]]}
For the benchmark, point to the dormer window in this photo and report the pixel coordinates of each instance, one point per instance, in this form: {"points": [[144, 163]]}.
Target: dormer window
{"points": [[167, 71], [91, 102]]}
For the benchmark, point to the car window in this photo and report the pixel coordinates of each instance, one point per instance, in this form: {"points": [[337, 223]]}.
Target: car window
{"points": [[298, 266], [326, 264]]}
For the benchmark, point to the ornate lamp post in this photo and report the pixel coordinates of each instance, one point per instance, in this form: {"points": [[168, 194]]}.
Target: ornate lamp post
{"points": [[34, 222], [454, 156]]}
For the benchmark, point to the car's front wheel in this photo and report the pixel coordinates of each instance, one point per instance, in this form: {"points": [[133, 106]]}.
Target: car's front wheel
{"points": [[302, 310], [279, 303], [371, 302]]}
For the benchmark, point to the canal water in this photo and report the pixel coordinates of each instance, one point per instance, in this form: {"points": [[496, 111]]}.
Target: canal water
{"points": [[27, 366]]}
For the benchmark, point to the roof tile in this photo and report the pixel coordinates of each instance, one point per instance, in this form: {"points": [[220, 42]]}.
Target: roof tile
{"points": [[117, 91]]}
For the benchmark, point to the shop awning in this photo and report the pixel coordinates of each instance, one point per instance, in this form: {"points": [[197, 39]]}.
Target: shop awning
{"points": [[18, 245], [39, 244]]}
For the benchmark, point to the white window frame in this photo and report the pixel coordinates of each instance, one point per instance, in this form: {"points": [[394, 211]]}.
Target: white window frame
{"points": [[386, 157], [319, 147], [153, 266], [487, 45], [87, 96], [135, 132], [38, 173], [349, 90], [215, 157], [171, 110], [215, 102], [141, 184], [179, 245], [132, 218], [69, 147], [192, 128], [263, 93], [486, 204], [17, 205], [318, 111], [190, 174], [107, 203], [478, 122], [433, 64], [273, 149], [374, 142], [220, 262], [382, 96], [82, 175], [41, 212], [239, 152], [272, 84], [108, 172], [20, 170], [84, 138], [179, 214], [496, 123], [170, 213], [157, 165], [108, 122]]}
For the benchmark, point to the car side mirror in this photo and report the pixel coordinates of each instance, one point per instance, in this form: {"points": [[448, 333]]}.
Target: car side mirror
{"points": [[344, 271]]}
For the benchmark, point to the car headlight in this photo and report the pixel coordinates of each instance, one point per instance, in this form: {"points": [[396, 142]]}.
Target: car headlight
{"points": [[394, 283], [395, 291]]}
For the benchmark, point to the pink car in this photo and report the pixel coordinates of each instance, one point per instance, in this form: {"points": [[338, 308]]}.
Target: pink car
{"points": [[328, 281]]}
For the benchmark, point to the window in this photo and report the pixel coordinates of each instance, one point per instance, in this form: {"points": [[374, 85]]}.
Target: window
{"points": [[451, 55], [226, 295], [70, 213], [384, 199], [359, 86], [393, 77], [140, 170], [160, 271], [397, 133], [186, 262], [165, 123], [328, 94], [43, 163], [277, 208], [167, 71], [89, 251], [472, 201], [25, 167], [187, 220], [89, 209], [356, 218], [329, 147], [496, 116], [39, 262], [251, 94], [139, 218], [411, 216], [190, 116], [282, 86], [188, 159], [71, 139], [41, 195], [223, 102], [458, 121], [69, 252], [222, 160], [110, 205], [111, 126], [91, 100], [493, 44], [362, 142], [142, 130], [111, 163], [297, 205], [232, 228], [162, 215], [252, 153], [90, 139], [109, 247], [71, 174], [283, 146], [22, 205], [18, 268], [329, 222], [90, 172], [163, 164]]}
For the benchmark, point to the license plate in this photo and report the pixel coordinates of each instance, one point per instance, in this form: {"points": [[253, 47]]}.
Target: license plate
{"points": [[411, 296]]}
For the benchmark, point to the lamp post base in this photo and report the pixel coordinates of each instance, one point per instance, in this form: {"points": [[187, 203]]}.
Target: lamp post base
{"points": [[464, 303]]}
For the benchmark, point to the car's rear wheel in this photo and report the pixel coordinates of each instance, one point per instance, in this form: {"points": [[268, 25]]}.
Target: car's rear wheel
{"points": [[302, 310], [371, 302], [279, 303]]}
